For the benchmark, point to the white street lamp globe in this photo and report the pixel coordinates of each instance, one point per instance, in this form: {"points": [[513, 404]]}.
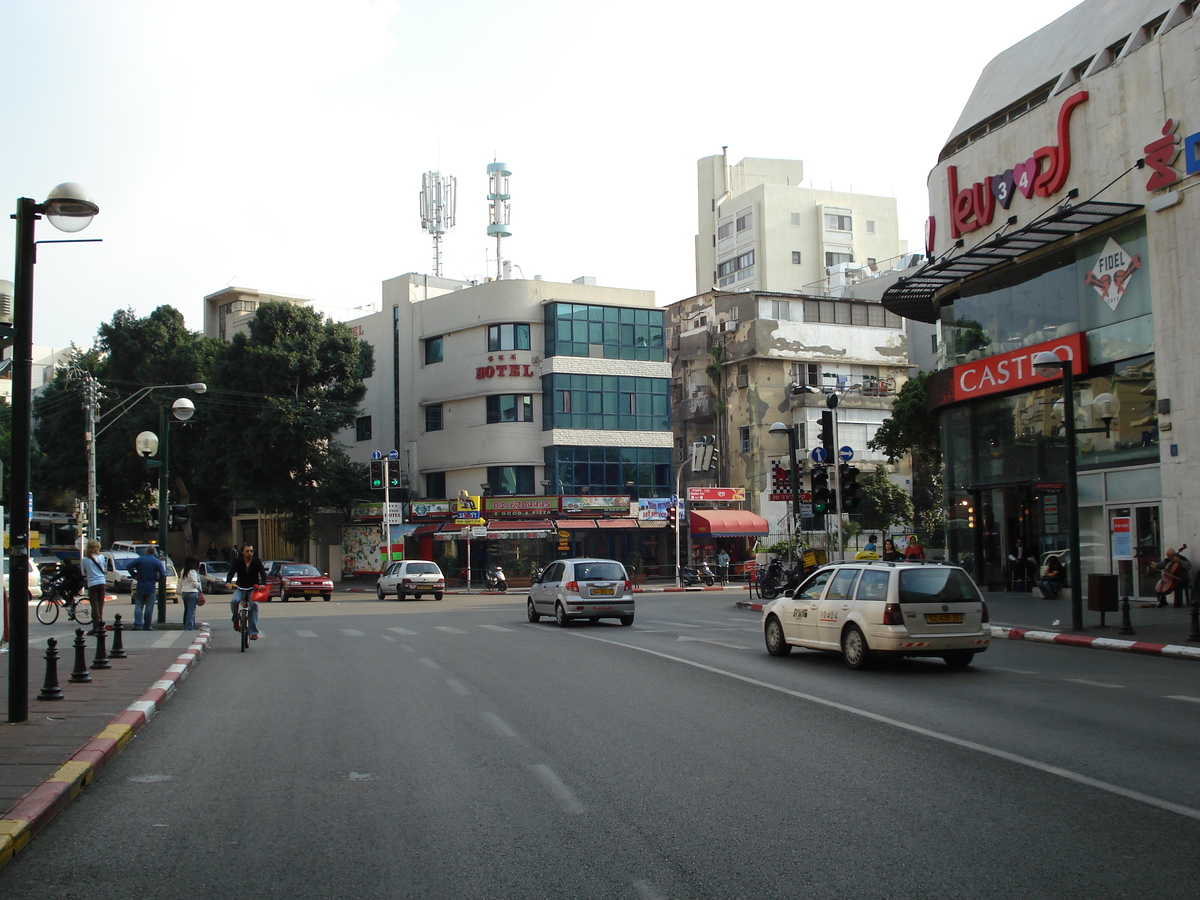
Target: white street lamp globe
{"points": [[183, 409], [777, 428], [70, 208], [146, 443], [1047, 364], [1104, 406]]}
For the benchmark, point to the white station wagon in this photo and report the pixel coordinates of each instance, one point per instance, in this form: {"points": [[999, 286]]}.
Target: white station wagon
{"points": [[873, 609], [411, 576]]}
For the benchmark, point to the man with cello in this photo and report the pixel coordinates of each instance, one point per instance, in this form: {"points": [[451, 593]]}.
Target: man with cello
{"points": [[1174, 568]]}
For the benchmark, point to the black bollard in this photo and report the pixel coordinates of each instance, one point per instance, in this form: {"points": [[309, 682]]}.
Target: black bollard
{"points": [[50, 689], [100, 661], [80, 675], [1126, 625], [118, 647]]}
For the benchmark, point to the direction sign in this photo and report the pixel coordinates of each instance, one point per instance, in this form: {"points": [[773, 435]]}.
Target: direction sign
{"points": [[846, 453], [818, 454], [375, 454], [393, 454], [716, 493]]}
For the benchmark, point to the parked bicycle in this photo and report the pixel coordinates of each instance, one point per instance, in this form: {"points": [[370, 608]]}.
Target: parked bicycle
{"points": [[57, 593]]}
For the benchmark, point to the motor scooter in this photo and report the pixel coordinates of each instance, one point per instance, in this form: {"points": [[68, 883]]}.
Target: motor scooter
{"points": [[776, 581], [690, 575], [494, 579]]}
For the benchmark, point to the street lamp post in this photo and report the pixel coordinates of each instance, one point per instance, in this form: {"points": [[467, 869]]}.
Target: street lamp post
{"points": [[68, 208], [793, 445]]}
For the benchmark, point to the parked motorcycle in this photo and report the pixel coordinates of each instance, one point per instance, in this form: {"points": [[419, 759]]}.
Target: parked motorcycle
{"points": [[776, 581], [690, 575], [495, 580]]}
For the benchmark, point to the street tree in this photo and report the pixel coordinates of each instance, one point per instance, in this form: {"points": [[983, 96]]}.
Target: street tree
{"points": [[912, 430], [883, 503]]}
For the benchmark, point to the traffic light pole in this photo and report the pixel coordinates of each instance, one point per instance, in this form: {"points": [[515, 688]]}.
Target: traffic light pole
{"points": [[837, 493]]}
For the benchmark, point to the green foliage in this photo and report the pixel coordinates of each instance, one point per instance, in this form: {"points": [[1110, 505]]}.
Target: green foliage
{"points": [[883, 502]]}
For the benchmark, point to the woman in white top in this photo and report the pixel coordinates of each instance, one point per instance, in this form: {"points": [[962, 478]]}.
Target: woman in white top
{"points": [[93, 570], [189, 587]]}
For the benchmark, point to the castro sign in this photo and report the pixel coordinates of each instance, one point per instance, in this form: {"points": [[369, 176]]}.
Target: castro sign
{"points": [[1014, 370]]}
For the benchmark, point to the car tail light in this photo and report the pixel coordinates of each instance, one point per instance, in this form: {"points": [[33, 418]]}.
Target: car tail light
{"points": [[984, 619], [628, 585], [572, 587], [892, 614], [441, 581]]}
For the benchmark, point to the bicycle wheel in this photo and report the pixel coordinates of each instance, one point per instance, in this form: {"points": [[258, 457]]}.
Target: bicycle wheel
{"points": [[83, 611], [47, 611], [244, 617]]}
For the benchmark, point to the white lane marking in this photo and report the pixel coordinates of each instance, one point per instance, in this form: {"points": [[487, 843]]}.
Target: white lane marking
{"points": [[1012, 671], [353, 632], [1183, 697], [1016, 758], [692, 640], [1085, 681], [675, 624], [502, 727], [402, 631], [388, 637], [561, 792], [495, 627], [306, 634], [458, 687], [429, 662], [407, 649], [449, 629], [646, 890]]}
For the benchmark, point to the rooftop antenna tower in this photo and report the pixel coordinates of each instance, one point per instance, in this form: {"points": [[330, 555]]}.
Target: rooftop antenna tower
{"points": [[437, 211], [498, 197]]}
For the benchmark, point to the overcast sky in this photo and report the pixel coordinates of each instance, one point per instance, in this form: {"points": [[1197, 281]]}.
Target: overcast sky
{"points": [[280, 145]]}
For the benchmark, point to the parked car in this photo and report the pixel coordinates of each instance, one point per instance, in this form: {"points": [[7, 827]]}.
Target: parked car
{"points": [[116, 569], [212, 577], [872, 609], [591, 589], [34, 581], [411, 576], [288, 580]]}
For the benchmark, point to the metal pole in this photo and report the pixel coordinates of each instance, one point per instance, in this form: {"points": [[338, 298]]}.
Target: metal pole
{"points": [[22, 427], [835, 464], [793, 443], [1074, 569], [678, 527], [89, 386], [164, 425]]}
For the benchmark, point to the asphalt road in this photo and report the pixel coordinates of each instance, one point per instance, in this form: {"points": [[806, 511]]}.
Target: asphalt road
{"points": [[453, 750]]}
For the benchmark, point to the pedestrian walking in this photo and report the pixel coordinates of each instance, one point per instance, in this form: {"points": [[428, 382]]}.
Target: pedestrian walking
{"points": [[93, 571], [890, 553], [189, 587], [914, 552], [146, 570], [870, 545]]}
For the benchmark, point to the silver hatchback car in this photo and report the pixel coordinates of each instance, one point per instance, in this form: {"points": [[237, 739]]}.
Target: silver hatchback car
{"points": [[591, 589]]}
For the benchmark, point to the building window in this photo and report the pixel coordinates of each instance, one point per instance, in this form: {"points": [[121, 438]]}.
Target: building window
{"points": [[509, 480], [435, 485], [834, 259], [510, 408], [508, 337], [839, 312], [739, 268], [433, 417], [781, 310], [743, 375], [606, 402], [795, 218], [724, 231], [733, 313], [836, 222], [806, 373], [745, 221], [795, 257], [609, 470], [362, 428], [744, 438], [608, 332], [870, 227], [433, 350]]}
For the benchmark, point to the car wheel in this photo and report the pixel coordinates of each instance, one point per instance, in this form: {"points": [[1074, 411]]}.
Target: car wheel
{"points": [[437, 596], [530, 612], [627, 620], [326, 597], [769, 590], [777, 644], [855, 651], [284, 597], [959, 659], [379, 592], [560, 616], [399, 595]]}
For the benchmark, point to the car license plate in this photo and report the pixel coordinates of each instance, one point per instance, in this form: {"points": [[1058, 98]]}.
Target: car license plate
{"points": [[602, 592], [943, 618], [311, 591]]}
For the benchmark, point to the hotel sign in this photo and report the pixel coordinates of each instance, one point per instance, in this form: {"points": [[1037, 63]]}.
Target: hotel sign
{"points": [[1014, 370]]}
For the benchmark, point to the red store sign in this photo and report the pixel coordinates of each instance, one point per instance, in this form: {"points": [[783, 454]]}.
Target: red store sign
{"points": [[1014, 370]]}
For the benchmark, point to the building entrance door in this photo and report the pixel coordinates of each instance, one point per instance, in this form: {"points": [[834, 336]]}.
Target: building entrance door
{"points": [[1137, 575]]}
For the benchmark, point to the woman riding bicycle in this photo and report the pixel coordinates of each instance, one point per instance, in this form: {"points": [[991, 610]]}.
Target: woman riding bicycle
{"points": [[248, 570]]}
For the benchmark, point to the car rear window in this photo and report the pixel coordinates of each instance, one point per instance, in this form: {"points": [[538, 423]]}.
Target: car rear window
{"points": [[600, 571], [422, 569], [299, 570], [216, 568], [933, 584]]}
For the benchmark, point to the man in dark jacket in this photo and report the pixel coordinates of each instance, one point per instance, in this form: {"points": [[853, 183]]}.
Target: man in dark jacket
{"points": [[248, 571]]}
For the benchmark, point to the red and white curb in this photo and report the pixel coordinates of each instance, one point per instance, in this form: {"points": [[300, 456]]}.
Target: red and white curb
{"points": [[35, 810], [1178, 651]]}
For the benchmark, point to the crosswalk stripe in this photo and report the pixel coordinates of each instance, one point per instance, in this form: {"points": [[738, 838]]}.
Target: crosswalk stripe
{"points": [[449, 629], [401, 631], [353, 632], [495, 627], [306, 634]]}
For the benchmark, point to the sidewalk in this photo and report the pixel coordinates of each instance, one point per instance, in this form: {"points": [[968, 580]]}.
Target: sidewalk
{"points": [[46, 760]]}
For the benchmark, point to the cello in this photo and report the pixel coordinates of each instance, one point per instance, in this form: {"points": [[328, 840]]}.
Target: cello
{"points": [[1174, 574]]}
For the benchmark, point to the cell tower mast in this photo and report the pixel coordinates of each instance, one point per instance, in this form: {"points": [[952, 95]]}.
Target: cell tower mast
{"points": [[498, 196], [437, 211]]}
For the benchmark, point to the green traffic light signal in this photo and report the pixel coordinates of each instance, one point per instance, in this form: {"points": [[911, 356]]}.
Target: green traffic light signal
{"points": [[377, 475]]}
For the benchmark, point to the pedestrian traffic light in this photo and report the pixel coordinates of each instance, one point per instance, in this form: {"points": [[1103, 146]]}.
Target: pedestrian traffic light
{"points": [[377, 474], [848, 487], [393, 473], [821, 495], [825, 436]]}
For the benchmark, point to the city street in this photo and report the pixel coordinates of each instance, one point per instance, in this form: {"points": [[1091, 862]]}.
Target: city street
{"points": [[454, 750]]}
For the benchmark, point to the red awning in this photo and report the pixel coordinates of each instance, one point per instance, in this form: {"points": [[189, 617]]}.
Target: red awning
{"points": [[426, 529], [576, 523], [726, 522], [616, 523], [520, 525]]}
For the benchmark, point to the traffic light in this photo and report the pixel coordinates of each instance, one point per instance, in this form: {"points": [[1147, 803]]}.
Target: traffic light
{"points": [[848, 487], [671, 516], [822, 497], [179, 516], [825, 436], [377, 474], [393, 473]]}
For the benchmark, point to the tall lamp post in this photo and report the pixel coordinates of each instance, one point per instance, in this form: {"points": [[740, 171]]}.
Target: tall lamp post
{"points": [[68, 208], [1046, 364], [147, 444], [793, 445]]}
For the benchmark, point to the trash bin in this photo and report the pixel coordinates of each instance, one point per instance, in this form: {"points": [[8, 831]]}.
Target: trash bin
{"points": [[1102, 593]]}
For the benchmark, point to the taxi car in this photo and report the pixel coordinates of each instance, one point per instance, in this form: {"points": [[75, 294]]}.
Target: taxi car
{"points": [[287, 580], [411, 576], [869, 610], [584, 588]]}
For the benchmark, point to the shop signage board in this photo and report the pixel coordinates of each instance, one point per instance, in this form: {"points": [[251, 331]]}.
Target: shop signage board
{"points": [[468, 510], [1122, 537], [430, 509], [717, 494], [1014, 370], [519, 507], [596, 504]]}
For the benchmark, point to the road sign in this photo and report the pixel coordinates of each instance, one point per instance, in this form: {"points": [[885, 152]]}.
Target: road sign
{"points": [[375, 454], [716, 493], [393, 454], [846, 453], [479, 531], [818, 454]]}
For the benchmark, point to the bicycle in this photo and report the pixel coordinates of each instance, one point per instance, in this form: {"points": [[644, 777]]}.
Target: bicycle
{"points": [[55, 596], [248, 595]]}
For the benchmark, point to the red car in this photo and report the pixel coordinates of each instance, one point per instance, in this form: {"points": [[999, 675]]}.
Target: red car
{"points": [[288, 580]]}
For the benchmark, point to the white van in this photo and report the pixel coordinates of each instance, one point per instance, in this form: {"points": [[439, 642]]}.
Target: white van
{"points": [[138, 547]]}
